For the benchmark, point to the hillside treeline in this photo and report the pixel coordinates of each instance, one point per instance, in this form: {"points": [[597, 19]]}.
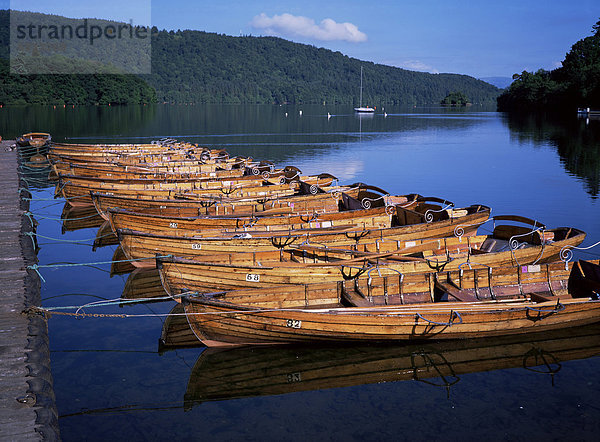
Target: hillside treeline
{"points": [[575, 84], [201, 67]]}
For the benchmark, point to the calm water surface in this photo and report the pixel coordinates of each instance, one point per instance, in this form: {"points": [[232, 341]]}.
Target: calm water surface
{"points": [[113, 381]]}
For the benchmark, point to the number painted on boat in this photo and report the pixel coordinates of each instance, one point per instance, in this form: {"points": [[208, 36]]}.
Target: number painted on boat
{"points": [[294, 377], [173, 225], [252, 277], [293, 323], [196, 246]]}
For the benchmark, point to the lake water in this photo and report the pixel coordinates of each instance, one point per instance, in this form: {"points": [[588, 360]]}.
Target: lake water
{"points": [[114, 382]]}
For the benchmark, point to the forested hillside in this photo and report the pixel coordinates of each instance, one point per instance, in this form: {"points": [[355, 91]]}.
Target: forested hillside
{"points": [[200, 67], [107, 88], [575, 84]]}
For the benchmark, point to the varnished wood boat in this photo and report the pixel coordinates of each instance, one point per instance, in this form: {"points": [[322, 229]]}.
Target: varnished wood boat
{"points": [[350, 212], [34, 139], [512, 301], [250, 371], [141, 245], [209, 179], [172, 161], [298, 202], [104, 151], [306, 262], [102, 170], [76, 190], [159, 146], [499, 248], [371, 210]]}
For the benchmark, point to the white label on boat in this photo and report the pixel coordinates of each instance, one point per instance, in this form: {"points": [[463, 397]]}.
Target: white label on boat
{"points": [[531, 269], [173, 225], [213, 174], [226, 183], [293, 323], [410, 244], [252, 277], [326, 224], [196, 246], [163, 207], [294, 377]]}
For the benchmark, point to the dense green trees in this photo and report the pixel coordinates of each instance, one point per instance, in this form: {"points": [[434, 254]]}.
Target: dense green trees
{"points": [[200, 67], [193, 66], [575, 84], [455, 99], [66, 88], [73, 89]]}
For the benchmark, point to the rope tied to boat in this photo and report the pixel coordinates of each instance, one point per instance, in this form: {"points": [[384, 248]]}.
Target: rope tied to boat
{"points": [[36, 267], [54, 218], [453, 314], [71, 241], [557, 308]]}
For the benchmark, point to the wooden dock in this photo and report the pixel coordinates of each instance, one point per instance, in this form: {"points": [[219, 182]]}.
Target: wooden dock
{"points": [[27, 405]]}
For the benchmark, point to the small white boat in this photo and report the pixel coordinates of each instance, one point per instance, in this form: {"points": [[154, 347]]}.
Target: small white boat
{"points": [[360, 107]]}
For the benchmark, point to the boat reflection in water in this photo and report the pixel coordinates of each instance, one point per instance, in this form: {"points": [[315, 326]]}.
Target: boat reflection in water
{"points": [[176, 332], [239, 372], [76, 218]]}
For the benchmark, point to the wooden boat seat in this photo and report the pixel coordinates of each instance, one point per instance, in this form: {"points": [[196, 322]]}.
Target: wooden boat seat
{"points": [[456, 213], [355, 299], [544, 297], [491, 245], [453, 291]]}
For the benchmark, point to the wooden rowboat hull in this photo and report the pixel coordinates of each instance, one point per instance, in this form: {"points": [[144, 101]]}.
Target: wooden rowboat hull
{"points": [[241, 372], [255, 269], [230, 324], [216, 322]]}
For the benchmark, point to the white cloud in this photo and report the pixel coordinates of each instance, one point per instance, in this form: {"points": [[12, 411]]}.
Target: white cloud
{"points": [[297, 26], [416, 65]]}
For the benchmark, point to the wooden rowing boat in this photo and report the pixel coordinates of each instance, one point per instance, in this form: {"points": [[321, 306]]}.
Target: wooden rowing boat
{"points": [[115, 150], [299, 264], [209, 179], [349, 212], [170, 159], [76, 190], [34, 139], [301, 201], [102, 170], [250, 371], [370, 210], [142, 245], [512, 301]]}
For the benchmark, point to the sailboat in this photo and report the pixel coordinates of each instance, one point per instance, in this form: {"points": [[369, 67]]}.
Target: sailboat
{"points": [[360, 107]]}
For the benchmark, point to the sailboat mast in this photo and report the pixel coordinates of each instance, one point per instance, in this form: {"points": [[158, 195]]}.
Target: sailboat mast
{"points": [[360, 100]]}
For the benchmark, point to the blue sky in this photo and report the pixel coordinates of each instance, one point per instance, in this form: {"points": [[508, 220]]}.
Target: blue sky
{"points": [[482, 38]]}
